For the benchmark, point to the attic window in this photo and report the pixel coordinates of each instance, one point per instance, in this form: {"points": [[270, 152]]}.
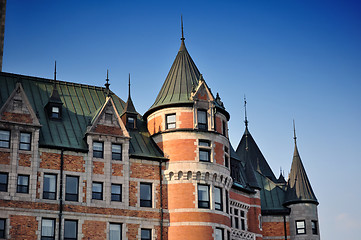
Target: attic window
{"points": [[55, 112], [130, 122]]}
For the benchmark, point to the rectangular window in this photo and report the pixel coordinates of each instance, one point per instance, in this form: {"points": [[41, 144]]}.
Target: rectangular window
{"points": [[243, 220], [117, 152], [71, 189], [49, 188], [202, 120], [4, 139], [226, 157], [98, 149], [115, 231], [314, 227], [146, 234], [218, 203], [204, 153], [203, 196], [224, 128], [23, 184], [3, 182], [130, 122], [117, 192], [145, 194], [227, 202], [219, 234], [97, 191], [70, 230], [47, 229], [300, 227], [55, 112], [236, 218], [2, 227], [171, 121], [25, 141]]}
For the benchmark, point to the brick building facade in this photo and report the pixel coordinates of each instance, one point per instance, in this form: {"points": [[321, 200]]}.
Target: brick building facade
{"points": [[77, 162]]}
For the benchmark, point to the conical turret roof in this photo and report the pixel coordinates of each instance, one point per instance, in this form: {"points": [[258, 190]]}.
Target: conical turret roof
{"points": [[129, 106], [181, 80], [298, 187]]}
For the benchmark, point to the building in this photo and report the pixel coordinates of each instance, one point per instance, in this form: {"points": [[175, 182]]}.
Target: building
{"points": [[77, 162]]}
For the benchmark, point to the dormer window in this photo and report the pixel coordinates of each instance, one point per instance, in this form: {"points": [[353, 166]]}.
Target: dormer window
{"points": [[130, 122], [202, 120], [55, 112]]}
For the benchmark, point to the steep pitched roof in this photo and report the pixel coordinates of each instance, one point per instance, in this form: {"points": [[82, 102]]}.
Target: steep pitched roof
{"points": [[181, 80], [298, 187], [254, 155], [81, 104]]}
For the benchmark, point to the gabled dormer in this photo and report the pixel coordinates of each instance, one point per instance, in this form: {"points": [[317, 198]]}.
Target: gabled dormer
{"points": [[54, 107], [130, 115], [202, 92]]}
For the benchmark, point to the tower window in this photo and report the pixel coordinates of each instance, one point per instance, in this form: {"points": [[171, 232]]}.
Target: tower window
{"points": [[171, 121], [226, 157], [4, 139], [204, 151], [314, 227], [117, 152], [25, 141], [218, 198], [49, 189], [203, 196], [224, 126], [202, 120], [98, 149], [146, 195], [23, 184], [300, 227]]}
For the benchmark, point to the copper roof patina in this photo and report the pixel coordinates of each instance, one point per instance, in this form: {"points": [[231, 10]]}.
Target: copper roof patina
{"points": [[81, 103]]}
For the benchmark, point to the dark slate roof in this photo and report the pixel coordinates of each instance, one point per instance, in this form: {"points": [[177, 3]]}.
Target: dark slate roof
{"points": [[129, 106], [238, 173], [182, 79], [254, 155], [81, 103], [299, 187], [272, 196]]}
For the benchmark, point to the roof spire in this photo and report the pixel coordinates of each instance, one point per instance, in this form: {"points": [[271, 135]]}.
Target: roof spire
{"points": [[107, 84], [129, 86], [55, 71], [294, 132], [245, 112], [182, 28]]}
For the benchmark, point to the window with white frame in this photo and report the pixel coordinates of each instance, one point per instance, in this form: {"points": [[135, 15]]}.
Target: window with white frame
{"points": [[171, 121], [238, 218], [218, 198], [300, 227]]}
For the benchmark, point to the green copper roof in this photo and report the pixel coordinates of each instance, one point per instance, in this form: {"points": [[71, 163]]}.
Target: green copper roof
{"points": [[81, 103], [181, 80], [299, 187]]}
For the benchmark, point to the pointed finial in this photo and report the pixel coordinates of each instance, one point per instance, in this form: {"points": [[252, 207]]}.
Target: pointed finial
{"points": [[245, 111], [129, 86], [294, 131], [55, 72], [182, 28], [107, 84]]}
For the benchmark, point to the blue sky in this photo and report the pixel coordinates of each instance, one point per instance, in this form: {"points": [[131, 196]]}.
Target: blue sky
{"points": [[292, 59]]}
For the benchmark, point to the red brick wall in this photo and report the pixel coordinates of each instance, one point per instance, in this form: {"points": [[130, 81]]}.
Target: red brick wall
{"points": [[98, 167], [84, 190], [144, 171], [17, 117], [23, 227], [38, 185], [5, 158], [275, 229], [219, 125], [117, 169], [219, 153], [179, 149], [133, 190], [132, 232], [165, 232], [50, 160], [165, 195], [94, 230], [176, 193], [190, 233], [74, 163], [199, 217], [108, 130], [155, 125], [24, 160], [186, 120]]}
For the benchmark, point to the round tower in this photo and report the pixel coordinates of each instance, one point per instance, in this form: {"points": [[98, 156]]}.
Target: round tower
{"points": [[190, 125], [302, 201]]}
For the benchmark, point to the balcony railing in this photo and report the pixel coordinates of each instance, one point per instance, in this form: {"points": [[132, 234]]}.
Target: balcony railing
{"points": [[242, 235]]}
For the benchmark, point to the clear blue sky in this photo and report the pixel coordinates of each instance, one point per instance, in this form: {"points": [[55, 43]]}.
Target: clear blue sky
{"points": [[293, 59]]}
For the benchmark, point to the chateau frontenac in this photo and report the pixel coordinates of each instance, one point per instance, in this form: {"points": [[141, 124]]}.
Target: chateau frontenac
{"points": [[78, 162]]}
